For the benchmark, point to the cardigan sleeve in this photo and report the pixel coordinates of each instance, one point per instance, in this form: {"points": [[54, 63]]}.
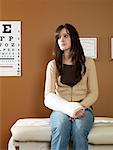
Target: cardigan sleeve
{"points": [[50, 78], [92, 85]]}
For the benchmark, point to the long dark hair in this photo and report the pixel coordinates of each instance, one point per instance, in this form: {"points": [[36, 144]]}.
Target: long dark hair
{"points": [[76, 51]]}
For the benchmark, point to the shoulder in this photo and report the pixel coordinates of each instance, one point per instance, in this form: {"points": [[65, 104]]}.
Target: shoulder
{"points": [[89, 61], [51, 64]]}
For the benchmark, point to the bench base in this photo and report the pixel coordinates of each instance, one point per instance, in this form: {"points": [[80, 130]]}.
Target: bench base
{"points": [[46, 146]]}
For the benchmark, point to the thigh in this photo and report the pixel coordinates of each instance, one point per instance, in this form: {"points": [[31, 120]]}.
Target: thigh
{"points": [[85, 122], [59, 120]]}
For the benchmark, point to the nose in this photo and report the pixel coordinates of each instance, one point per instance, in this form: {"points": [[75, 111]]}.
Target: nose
{"points": [[62, 39]]}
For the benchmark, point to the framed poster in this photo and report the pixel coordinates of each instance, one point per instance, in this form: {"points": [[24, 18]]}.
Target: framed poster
{"points": [[111, 47], [90, 47], [10, 48]]}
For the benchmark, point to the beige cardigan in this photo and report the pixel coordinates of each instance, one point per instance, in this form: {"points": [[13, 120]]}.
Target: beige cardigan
{"points": [[86, 89]]}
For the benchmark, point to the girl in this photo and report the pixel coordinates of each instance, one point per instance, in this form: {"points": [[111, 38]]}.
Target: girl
{"points": [[70, 90]]}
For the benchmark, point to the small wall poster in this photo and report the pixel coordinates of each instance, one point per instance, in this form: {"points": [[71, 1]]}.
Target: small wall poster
{"points": [[89, 45], [112, 48], [10, 48]]}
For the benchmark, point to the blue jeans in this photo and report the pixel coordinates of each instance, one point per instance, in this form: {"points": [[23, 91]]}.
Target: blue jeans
{"points": [[64, 130]]}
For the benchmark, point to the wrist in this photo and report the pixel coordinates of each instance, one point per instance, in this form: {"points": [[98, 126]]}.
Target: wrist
{"points": [[84, 107]]}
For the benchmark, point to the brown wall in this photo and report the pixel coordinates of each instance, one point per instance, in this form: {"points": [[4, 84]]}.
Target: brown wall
{"points": [[23, 96]]}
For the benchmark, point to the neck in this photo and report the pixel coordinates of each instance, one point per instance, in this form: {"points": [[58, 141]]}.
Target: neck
{"points": [[66, 58]]}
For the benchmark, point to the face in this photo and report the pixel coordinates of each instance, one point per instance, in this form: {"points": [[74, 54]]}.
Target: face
{"points": [[64, 40]]}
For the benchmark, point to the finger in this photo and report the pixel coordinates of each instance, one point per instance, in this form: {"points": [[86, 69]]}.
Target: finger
{"points": [[80, 114]]}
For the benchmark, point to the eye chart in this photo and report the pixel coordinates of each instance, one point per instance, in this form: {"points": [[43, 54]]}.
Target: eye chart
{"points": [[10, 48]]}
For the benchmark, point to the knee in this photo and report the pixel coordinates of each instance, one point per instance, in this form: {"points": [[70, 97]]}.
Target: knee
{"points": [[82, 128], [62, 126], [60, 123], [80, 131]]}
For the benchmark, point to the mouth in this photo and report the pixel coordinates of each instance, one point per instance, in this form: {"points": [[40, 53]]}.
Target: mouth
{"points": [[63, 44]]}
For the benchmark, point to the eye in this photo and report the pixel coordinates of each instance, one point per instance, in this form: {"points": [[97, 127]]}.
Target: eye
{"points": [[59, 37], [66, 35]]}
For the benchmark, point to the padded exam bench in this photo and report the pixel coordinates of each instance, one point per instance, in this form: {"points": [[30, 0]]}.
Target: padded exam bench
{"points": [[35, 134]]}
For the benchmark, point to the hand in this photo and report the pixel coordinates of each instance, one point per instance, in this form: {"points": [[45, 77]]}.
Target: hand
{"points": [[80, 113], [71, 119]]}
